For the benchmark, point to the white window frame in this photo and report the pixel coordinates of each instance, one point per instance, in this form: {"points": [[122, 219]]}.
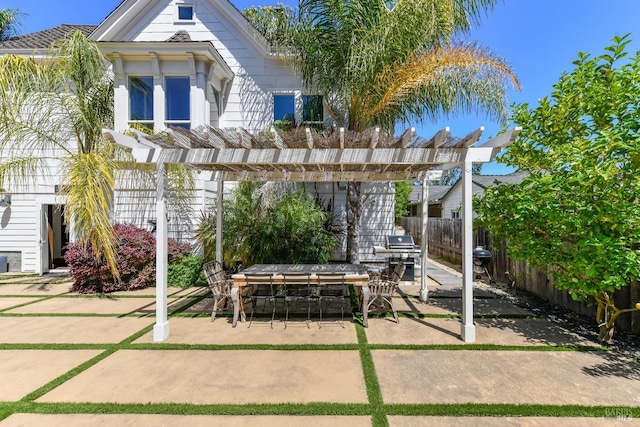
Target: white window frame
{"points": [[177, 12], [168, 122], [147, 123]]}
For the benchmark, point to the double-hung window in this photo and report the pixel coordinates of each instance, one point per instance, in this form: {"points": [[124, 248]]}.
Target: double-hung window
{"points": [[141, 100], [177, 91]]}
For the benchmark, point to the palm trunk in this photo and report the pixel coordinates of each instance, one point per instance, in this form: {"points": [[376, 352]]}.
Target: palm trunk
{"points": [[354, 211]]}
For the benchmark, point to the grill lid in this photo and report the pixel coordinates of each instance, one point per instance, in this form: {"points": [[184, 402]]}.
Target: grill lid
{"points": [[400, 242]]}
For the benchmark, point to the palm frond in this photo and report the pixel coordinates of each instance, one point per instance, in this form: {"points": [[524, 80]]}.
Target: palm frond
{"points": [[450, 79], [88, 183]]}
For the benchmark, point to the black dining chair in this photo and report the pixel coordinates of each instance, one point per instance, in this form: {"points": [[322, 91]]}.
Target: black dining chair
{"points": [[297, 288], [333, 289], [262, 289]]}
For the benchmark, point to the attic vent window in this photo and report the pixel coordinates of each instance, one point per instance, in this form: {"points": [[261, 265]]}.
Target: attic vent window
{"points": [[185, 11]]}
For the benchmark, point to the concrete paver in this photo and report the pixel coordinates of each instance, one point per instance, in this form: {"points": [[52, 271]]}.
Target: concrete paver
{"points": [[613, 420], [203, 331], [481, 306], [34, 289], [154, 420], [274, 376], [428, 331], [23, 371], [227, 376], [13, 301], [98, 305], [516, 377], [68, 330]]}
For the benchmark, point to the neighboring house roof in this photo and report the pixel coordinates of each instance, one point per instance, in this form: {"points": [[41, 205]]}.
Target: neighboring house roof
{"points": [[43, 39], [486, 180], [437, 192]]}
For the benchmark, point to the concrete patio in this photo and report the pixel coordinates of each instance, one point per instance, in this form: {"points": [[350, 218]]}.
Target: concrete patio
{"points": [[87, 352]]}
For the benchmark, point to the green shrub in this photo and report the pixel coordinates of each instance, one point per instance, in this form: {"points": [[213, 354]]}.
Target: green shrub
{"points": [[186, 271], [288, 226]]}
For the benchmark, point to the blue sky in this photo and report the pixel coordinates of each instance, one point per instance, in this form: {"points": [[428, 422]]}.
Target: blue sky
{"points": [[539, 38]]}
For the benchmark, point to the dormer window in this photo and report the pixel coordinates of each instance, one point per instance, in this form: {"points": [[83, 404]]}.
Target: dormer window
{"points": [[184, 12]]}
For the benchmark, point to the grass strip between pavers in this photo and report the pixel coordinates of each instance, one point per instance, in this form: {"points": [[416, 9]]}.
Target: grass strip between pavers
{"points": [[323, 408], [68, 375]]}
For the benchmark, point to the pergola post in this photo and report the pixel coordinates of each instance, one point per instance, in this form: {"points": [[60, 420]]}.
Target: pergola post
{"points": [[219, 236], [468, 333], [161, 328], [424, 240]]}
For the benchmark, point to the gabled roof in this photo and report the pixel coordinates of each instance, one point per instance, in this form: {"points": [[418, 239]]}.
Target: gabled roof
{"points": [[486, 180], [43, 39], [437, 192]]}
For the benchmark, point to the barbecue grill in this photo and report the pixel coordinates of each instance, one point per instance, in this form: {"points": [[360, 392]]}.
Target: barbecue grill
{"points": [[400, 248], [481, 261]]}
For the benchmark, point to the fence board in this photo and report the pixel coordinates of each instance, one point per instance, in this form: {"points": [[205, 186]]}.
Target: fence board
{"points": [[445, 242]]}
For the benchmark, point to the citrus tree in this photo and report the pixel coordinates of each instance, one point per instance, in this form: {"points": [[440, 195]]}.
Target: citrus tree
{"points": [[578, 213]]}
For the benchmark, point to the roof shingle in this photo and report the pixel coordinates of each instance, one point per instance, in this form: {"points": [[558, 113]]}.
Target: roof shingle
{"points": [[43, 39]]}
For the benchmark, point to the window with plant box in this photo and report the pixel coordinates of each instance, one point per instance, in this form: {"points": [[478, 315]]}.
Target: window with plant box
{"points": [[141, 100], [177, 91]]}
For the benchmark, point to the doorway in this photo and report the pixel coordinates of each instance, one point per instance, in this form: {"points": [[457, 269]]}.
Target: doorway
{"points": [[57, 236]]}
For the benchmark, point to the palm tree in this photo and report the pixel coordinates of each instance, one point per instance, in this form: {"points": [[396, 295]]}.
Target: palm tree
{"points": [[9, 23], [381, 63], [53, 108]]}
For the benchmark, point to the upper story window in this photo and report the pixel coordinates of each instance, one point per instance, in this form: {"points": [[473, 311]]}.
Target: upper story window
{"points": [[177, 91], [312, 112], [141, 100], [284, 109], [184, 12]]}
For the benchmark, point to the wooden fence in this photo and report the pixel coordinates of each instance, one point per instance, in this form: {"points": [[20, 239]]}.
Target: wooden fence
{"points": [[445, 242]]}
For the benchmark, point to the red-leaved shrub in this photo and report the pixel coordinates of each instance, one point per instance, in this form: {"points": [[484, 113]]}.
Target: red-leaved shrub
{"points": [[135, 259]]}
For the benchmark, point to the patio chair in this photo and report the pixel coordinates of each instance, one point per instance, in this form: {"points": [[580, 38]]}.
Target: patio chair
{"points": [[261, 289], [382, 290], [333, 288], [297, 287], [219, 284]]}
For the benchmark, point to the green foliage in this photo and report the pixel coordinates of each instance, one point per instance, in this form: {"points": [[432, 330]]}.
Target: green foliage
{"points": [[9, 23], [403, 191], [453, 175], [578, 213], [272, 22], [60, 104], [290, 227], [186, 271]]}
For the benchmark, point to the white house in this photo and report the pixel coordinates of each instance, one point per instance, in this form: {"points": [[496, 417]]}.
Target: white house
{"points": [[175, 63], [451, 201]]}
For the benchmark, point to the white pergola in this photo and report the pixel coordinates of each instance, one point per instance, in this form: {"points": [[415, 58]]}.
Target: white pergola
{"points": [[305, 156]]}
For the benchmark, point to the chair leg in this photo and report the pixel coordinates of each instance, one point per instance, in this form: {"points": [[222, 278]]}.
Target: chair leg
{"points": [[215, 308], [393, 309]]}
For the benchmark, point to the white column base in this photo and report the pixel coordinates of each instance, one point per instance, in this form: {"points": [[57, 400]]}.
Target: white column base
{"points": [[468, 333], [424, 295], [161, 331]]}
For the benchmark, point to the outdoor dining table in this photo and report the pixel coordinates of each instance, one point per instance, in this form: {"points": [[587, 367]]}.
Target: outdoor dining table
{"points": [[355, 274]]}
